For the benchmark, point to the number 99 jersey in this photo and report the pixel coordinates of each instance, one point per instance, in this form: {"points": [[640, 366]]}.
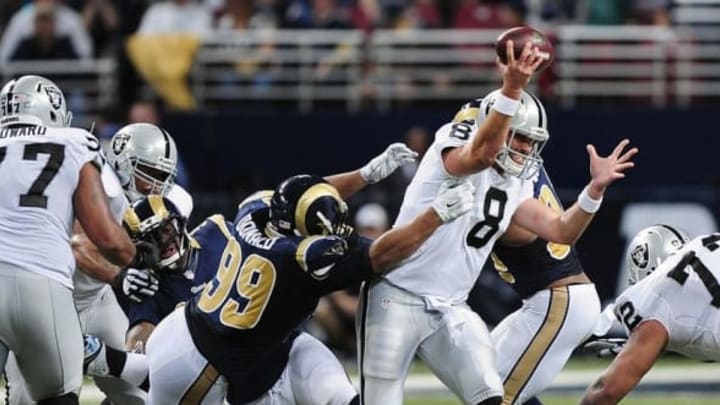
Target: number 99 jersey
{"points": [[261, 289], [684, 296], [531, 268], [448, 263]]}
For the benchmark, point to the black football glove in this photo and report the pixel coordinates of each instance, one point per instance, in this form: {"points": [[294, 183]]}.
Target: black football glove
{"points": [[147, 255]]}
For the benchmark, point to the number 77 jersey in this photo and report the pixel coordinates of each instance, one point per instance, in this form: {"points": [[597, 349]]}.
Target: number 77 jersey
{"points": [[682, 294], [39, 172], [447, 265]]}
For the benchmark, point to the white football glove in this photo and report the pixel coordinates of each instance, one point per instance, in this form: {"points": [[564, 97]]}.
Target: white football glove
{"points": [[454, 198], [139, 284], [605, 347], [382, 165]]}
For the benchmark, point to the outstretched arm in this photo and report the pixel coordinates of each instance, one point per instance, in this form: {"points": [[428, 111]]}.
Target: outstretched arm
{"points": [[481, 152], [452, 201], [646, 343], [567, 227], [381, 166]]}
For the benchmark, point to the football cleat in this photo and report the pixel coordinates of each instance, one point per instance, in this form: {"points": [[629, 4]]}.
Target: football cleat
{"points": [[94, 362]]}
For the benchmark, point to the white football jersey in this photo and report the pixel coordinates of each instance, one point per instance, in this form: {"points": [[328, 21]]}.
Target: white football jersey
{"points": [[684, 296], [39, 172], [88, 288], [447, 265]]}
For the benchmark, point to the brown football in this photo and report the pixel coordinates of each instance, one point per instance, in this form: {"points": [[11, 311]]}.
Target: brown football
{"points": [[521, 35]]}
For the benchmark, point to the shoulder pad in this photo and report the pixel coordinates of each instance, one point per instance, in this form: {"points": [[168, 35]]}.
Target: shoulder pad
{"points": [[182, 200], [255, 202], [209, 227], [318, 254], [453, 134]]}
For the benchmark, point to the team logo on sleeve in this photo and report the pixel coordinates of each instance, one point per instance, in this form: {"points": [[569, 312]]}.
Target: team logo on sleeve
{"points": [[55, 97], [639, 255], [118, 144]]}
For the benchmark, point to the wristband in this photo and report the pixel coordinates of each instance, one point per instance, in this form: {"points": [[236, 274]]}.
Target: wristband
{"points": [[506, 105], [587, 203]]}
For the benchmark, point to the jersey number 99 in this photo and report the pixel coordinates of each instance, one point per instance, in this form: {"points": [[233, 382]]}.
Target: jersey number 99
{"points": [[253, 280]]}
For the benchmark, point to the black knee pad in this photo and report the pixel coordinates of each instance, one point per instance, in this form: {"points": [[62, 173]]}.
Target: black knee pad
{"points": [[67, 399], [491, 401]]}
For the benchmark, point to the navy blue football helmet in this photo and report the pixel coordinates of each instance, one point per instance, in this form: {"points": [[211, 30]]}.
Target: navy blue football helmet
{"points": [[306, 205], [155, 219]]}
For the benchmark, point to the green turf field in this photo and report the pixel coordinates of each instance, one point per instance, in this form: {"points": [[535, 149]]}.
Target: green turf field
{"points": [[633, 399]]}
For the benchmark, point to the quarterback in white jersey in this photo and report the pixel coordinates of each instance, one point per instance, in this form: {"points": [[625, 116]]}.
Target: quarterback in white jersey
{"points": [[673, 304], [50, 175], [420, 307]]}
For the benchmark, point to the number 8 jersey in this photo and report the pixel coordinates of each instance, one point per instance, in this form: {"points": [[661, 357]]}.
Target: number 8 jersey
{"points": [[684, 296], [448, 263], [39, 172]]}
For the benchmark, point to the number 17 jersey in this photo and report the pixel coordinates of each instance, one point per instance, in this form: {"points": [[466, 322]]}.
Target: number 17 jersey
{"points": [[447, 265]]}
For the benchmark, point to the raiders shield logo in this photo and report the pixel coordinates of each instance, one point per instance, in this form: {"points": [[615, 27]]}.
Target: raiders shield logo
{"points": [[55, 96], [639, 255], [119, 142]]}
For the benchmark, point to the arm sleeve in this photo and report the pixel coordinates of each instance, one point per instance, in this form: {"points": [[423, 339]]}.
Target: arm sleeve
{"points": [[351, 269], [145, 311]]}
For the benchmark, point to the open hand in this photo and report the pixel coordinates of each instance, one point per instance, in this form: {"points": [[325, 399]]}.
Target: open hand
{"points": [[605, 170], [516, 74]]}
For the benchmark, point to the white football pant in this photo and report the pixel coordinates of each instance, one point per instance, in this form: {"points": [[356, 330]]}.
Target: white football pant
{"points": [[534, 343], [394, 325], [39, 324]]}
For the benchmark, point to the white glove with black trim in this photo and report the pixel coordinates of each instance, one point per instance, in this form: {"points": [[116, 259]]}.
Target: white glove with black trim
{"points": [[382, 165], [139, 284], [454, 198]]}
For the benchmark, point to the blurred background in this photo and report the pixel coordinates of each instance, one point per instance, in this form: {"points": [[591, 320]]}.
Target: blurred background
{"points": [[256, 90]]}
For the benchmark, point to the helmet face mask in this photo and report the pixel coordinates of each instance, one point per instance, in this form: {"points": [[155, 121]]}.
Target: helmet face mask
{"points": [[156, 220], [33, 100], [306, 205], [144, 157], [650, 247]]}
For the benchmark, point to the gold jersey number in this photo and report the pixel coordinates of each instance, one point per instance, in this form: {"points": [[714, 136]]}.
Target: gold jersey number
{"points": [[556, 250], [253, 280]]}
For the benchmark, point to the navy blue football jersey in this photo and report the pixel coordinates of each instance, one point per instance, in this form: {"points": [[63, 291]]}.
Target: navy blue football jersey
{"points": [[533, 267], [262, 288]]}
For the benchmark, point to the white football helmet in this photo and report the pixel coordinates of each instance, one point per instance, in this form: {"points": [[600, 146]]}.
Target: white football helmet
{"points": [[146, 152], [530, 121], [650, 247], [33, 100]]}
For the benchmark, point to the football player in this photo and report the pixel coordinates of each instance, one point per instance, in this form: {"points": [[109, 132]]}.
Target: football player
{"points": [[265, 273], [50, 174], [176, 284], [141, 159], [420, 307], [560, 304], [673, 304]]}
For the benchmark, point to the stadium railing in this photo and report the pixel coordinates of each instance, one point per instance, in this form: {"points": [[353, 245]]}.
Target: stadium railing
{"points": [[89, 85], [658, 66]]}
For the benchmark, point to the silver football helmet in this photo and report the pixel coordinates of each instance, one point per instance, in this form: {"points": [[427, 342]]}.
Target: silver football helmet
{"points": [[650, 247], [530, 121], [33, 100], [143, 152]]}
